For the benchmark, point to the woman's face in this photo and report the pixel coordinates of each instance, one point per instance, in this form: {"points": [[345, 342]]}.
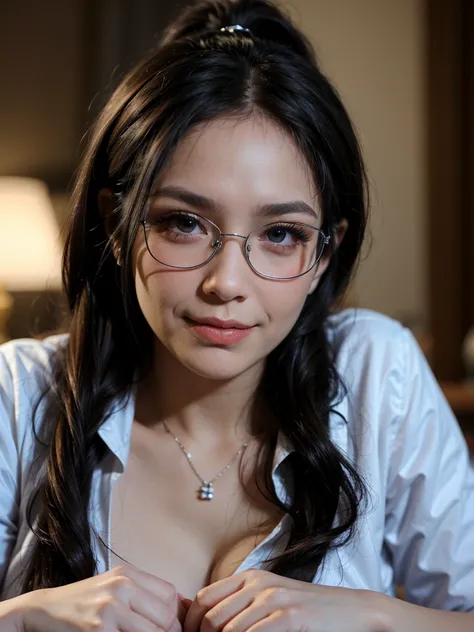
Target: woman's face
{"points": [[239, 167]]}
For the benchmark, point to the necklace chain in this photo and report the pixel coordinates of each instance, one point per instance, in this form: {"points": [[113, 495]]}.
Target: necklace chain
{"points": [[206, 491]]}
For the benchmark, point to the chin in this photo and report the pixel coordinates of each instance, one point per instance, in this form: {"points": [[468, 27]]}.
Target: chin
{"points": [[220, 372], [217, 364]]}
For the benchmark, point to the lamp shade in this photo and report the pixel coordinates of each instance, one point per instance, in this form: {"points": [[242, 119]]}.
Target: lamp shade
{"points": [[30, 245]]}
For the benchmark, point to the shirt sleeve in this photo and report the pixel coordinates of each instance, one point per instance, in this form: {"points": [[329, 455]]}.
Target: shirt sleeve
{"points": [[9, 469], [429, 523]]}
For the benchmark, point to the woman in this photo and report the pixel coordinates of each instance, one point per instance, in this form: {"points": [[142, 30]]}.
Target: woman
{"points": [[214, 446]]}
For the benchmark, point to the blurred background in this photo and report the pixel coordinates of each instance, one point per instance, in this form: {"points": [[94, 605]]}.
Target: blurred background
{"points": [[405, 69]]}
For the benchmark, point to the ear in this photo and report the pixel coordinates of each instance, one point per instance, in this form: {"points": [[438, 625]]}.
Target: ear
{"points": [[326, 258], [107, 203]]}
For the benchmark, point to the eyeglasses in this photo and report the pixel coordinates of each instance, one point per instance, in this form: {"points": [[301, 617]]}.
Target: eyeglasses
{"points": [[280, 250]]}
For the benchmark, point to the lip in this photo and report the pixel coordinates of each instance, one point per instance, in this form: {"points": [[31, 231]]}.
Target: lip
{"points": [[220, 332], [221, 324]]}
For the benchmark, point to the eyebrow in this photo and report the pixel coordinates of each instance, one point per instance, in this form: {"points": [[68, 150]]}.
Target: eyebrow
{"points": [[205, 204]]}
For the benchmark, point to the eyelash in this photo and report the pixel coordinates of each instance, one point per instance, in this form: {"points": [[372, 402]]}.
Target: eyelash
{"points": [[297, 230]]}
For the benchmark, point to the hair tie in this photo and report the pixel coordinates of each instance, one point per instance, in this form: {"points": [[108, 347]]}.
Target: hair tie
{"points": [[235, 27]]}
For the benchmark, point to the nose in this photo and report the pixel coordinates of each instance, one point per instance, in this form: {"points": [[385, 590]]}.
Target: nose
{"points": [[227, 272]]}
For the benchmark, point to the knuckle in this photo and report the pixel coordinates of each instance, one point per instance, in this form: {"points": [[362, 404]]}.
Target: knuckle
{"points": [[208, 623], [253, 575], [120, 586], [274, 595], [231, 627], [97, 625], [202, 597], [122, 570], [170, 593], [106, 605]]}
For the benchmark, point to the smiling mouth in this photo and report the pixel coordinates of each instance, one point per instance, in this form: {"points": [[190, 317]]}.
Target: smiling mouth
{"points": [[219, 332]]}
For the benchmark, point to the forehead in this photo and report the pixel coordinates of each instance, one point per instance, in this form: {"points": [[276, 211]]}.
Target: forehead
{"points": [[245, 160]]}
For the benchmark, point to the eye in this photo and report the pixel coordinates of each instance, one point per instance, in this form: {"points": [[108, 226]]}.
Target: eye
{"points": [[286, 234], [184, 223], [277, 234], [177, 222]]}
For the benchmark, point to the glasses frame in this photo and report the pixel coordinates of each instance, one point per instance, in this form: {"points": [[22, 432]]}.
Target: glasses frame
{"points": [[245, 247]]}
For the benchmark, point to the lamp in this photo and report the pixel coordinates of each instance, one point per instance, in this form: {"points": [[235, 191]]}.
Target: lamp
{"points": [[30, 249]]}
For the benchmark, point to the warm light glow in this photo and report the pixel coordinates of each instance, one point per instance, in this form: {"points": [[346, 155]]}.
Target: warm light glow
{"points": [[30, 245]]}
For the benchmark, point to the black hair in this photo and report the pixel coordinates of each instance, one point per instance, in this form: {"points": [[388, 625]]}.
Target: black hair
{"points": [[196, 74]]}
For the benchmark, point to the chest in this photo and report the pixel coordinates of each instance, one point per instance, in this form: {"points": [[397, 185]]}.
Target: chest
{"points": [[159, 524]]}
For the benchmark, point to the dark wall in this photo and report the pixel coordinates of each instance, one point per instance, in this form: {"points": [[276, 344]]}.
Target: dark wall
{"points": [[59, 60], [41, 87], [119, 32]]}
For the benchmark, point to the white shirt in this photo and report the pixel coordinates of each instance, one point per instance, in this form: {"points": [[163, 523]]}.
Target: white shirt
{"points": [[399, 432]]}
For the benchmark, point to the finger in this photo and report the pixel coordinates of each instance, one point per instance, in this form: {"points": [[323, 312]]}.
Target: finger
{"points": [[225, 611], [208, 598], [224, 587], [278, 622], [157, 612], [183, 606], [129, 621], [159, 593], [184, 600], [268, 602], [182, 610], [159, 587]]}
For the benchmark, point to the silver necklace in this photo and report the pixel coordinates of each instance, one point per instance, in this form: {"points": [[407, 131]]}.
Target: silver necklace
{"points": [[206, 491]]}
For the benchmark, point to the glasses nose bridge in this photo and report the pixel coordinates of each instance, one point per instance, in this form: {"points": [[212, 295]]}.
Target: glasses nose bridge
{"points": [[219, 240], [219, 243], [233, 235]]}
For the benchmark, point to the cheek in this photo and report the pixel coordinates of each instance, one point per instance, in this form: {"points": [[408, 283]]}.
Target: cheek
{"points": [[163, 291], [284, 302], [160, 291]]}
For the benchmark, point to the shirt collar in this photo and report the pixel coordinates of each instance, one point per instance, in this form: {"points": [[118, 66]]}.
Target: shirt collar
{"points": [[337, 430], [116, 431], [282, 477]]}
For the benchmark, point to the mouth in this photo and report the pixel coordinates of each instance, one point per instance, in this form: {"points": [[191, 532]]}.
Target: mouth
{"points": [[219, 332]]}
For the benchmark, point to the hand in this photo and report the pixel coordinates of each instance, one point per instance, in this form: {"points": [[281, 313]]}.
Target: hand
{"points": [[125, 599], [259, 601]]}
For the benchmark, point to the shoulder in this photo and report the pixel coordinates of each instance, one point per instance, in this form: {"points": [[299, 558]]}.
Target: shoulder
{"points": [[391, 396], [368, 345], [361, 327], [28, 355], [25, 375], [366, 336], [377, 359]]}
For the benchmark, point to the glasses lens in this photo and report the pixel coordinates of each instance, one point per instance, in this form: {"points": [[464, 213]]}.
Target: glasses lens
{"points": [[180, 240], [284, 250]]}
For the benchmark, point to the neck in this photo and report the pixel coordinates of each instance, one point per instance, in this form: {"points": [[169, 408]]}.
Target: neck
{"points": [[214, 412]]}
